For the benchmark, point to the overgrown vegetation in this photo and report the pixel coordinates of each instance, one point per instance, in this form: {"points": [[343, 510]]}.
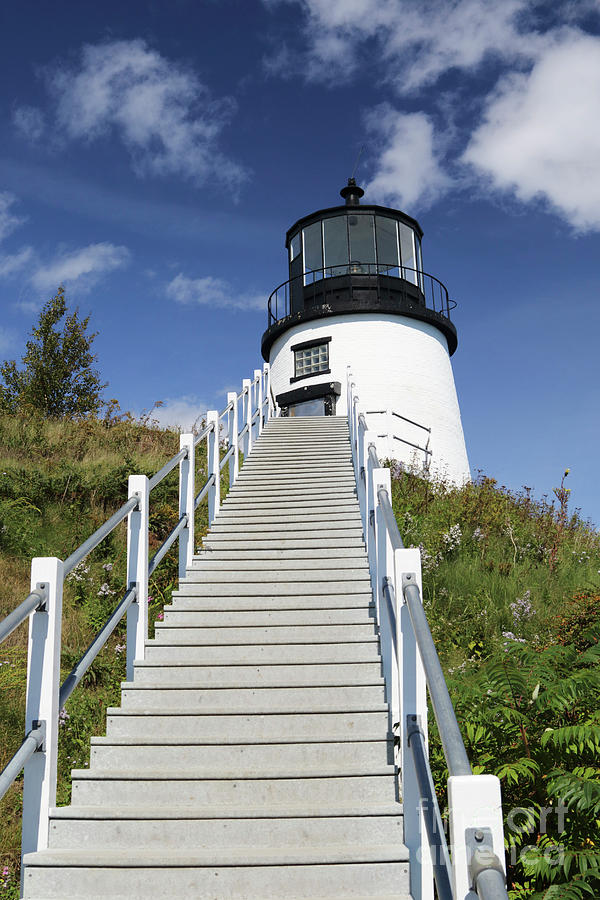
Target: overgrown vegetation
{"points": [[512, 592]]}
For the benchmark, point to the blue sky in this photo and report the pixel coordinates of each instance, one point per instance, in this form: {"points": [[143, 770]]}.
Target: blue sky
{"points": [[154, 154]]}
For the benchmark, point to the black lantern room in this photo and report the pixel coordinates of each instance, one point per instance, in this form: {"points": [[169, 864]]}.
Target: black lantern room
{"points": [[356, 258]]}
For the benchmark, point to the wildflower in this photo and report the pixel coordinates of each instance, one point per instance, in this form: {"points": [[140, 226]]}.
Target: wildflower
{"points": [[63, 717], [108, 567], [478, 534], [522, 608], [105, 590], [120, 648], [160, 616], [452, 538]]}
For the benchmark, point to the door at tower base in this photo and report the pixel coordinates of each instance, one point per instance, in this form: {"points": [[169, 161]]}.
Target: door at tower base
{"points": [[403, 376]]}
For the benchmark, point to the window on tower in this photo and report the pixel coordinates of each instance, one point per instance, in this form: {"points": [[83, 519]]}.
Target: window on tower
{"points": [[311, 358]]}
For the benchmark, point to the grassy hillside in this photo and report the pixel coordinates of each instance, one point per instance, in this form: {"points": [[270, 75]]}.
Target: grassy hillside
{"points": [[511, 588]]}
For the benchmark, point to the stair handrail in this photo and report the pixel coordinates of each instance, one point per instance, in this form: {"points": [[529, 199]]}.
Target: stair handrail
{"points": [[411, 666], [45, 696]]}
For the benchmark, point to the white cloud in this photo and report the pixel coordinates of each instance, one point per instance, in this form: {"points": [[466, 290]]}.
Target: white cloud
{"points": [[30, 122], [416, 42], [540, 135], [216, 292], [407, 169], [80, 268], [14, 262], [180, 413], [160, 110], [8, 220]]}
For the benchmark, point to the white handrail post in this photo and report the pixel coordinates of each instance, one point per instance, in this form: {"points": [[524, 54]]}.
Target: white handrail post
{"points": [[212, 465], [369, 437], [43, 686], [187, 484], [474, 802], [247, 409], [384, 561], [413, 701], [267, 383], [137, 571], [234, 459], [259, 400]]}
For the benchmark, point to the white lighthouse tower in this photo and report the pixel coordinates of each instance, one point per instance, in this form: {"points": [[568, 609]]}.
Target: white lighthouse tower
{"points": [[357, 296]]}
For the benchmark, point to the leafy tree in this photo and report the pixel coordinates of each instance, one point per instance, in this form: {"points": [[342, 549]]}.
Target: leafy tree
{"points": [[58, 378]]}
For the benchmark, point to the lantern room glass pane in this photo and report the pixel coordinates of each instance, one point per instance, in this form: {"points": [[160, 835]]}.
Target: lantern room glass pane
{"points": [[407, 252], [294, 247], [362, 243], [313, 252], [387, 244], [335, 244]]}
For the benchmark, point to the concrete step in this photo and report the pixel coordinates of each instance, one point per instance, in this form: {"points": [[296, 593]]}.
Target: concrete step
{"points": [[263, 618], [188, 601], [274, 575], [213, 562], [113, 828], [297, 477], [287, 543], [270, 589], [261, 635], [282, 555], [244, 516], [268, 876], [310, 504], [107, 754], [190, 788], [277, 699], [339, 528], [291, 726], [227, 534], [274, 675], [189, 649]]}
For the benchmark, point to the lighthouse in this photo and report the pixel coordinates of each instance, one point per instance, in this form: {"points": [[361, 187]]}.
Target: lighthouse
{"points": [[357, 298]]}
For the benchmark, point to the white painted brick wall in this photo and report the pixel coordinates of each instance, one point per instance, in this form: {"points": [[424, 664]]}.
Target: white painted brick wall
{"points": [[398, 363]]}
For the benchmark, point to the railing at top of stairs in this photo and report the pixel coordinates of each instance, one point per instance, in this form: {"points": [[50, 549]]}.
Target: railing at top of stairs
{"points": [[411, 665], [45, 695]]}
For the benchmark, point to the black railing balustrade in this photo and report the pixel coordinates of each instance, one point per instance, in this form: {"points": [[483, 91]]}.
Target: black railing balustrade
{"points": [[386, 282]]}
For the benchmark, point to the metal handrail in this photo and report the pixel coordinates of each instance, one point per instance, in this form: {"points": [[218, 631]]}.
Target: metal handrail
{"points": [[450, 736], [382, 412], [226, 410], [431, 289], [98, 536], [441, 864], [35, 600], [79, 670], [243, 431], [410, 444], [168, 467], [204, 491], [33, 740], [203, 433], [166, 545], [226, 457]]}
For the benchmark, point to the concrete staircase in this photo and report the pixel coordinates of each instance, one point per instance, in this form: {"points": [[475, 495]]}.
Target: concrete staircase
{"points": [[251, 756]]}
